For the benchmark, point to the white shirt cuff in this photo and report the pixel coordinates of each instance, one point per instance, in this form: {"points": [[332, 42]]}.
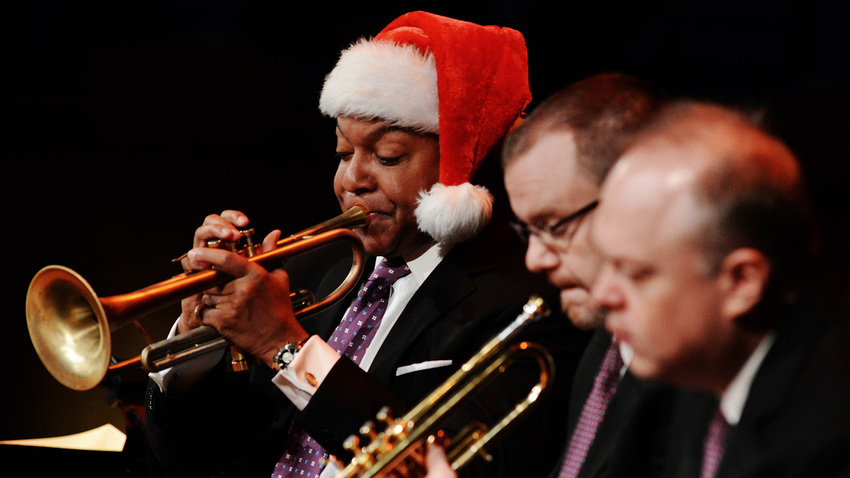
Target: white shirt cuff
{"points": [[307, 371]]}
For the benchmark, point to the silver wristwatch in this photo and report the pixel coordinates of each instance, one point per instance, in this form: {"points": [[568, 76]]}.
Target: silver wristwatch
{"points": [[286, 354]]}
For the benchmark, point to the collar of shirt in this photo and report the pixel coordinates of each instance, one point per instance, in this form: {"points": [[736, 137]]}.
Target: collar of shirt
{"points": [[627, 353], [735, 396], [422, 266]]}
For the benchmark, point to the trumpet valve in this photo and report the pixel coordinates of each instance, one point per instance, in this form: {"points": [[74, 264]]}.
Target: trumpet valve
{"points": [[352, 443], [244, 246], [385, 418], [368, 430], [249, 248]]}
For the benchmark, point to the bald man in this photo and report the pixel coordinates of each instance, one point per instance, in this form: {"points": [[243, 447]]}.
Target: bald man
{"points": [[705, 233]]}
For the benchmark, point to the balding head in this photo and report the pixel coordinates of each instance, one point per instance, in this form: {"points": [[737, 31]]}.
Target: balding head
{"points": [[702, 227], [746, 183]]}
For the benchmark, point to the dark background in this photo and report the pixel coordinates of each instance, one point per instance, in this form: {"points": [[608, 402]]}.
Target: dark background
{"points": [[126, 122]]}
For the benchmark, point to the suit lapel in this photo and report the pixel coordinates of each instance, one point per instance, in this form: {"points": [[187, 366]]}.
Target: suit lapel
{"points": [[591, 361], [769, 395], [447, 285]]}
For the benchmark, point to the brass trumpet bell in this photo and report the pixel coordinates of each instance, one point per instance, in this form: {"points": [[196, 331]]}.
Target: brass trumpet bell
{"points": [[77, 347]]}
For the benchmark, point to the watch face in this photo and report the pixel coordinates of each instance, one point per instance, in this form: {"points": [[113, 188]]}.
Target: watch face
{"points": [[286, 355]]}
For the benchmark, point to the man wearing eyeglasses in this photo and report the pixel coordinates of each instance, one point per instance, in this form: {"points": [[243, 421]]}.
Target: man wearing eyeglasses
{"points": [[554, 165]]}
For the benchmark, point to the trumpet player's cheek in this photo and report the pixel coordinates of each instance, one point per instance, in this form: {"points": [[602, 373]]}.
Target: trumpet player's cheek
{"points": [[346, 195], [339, 185]]}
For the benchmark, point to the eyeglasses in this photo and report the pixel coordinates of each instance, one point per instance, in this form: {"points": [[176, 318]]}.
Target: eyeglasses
{"points": [[560, 232]]}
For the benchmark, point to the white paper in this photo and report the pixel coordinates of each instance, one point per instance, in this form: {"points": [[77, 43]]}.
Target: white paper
{"points": [[103, 438]]}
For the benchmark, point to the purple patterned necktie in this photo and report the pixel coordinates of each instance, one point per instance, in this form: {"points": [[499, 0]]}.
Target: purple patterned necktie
{"points": [[354, 334], [604, 388], [304, 457], [715, 444]]}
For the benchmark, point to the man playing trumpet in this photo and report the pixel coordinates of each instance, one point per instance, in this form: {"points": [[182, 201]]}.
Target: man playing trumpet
{"points": [[414, 125]]}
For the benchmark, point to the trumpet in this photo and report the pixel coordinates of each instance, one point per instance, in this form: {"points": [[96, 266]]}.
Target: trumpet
{"points": [[70, 326], [396, 446]]}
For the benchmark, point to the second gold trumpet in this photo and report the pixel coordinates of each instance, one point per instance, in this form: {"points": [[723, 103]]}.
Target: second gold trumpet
{"points": [[390, 447]]}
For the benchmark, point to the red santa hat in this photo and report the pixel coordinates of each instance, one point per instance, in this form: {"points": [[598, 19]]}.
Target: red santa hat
{"points": [[434, 74]]}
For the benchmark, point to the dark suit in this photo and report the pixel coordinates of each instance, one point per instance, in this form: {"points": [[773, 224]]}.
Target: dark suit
{"points": [[630, 441], [473, 293], [796, 419]]}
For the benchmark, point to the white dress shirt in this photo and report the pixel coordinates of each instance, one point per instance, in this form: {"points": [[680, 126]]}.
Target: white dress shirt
{"points": [[734, 398]]}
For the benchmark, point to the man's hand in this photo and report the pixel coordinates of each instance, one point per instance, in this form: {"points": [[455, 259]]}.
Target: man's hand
{"points": [[437, 464], [253, 310]]}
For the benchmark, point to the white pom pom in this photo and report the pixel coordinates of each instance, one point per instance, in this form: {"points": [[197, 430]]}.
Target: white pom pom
{"points": [[453, 214]]}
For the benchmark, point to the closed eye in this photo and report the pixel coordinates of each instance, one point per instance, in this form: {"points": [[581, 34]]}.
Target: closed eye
{"points": [[389, 161], [639, 274], [560, 230], [633, 272]]}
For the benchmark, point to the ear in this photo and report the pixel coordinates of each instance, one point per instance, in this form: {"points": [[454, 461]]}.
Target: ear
{"points": [[743, 278]]}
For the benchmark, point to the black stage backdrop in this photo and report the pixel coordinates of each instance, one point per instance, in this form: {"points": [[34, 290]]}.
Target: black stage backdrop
{"points": [[127, 122]]}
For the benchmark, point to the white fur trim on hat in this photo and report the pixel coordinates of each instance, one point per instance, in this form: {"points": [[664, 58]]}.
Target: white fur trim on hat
{"points": [[454, 214], [374, 79]]}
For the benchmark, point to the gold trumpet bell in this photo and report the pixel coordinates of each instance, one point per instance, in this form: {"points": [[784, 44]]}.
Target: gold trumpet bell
{"points": [[68, 327]]}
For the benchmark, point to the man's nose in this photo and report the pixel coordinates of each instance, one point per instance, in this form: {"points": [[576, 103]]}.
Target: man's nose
{"points": [[538, 256], [357, 176], [605, 291]]}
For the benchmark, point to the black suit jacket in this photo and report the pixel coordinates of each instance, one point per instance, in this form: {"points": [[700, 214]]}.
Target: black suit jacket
{"points": [[796, 420], [631, 440], [476, 290]]}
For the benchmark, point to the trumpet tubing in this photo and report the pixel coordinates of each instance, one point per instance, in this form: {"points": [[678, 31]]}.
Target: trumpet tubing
{"points": [[70, 326], [396, 445]]}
